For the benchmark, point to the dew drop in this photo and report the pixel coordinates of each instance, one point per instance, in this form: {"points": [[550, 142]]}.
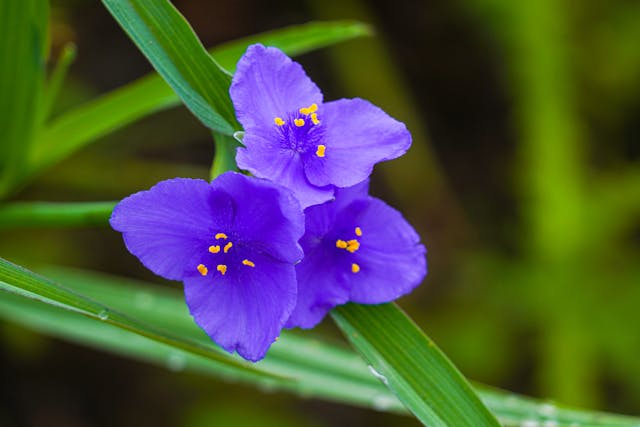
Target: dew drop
{"points": [[176, 362], [547, 409], [382, 402], [530, 423], [550, 423], [103, 315], [378, 375]]}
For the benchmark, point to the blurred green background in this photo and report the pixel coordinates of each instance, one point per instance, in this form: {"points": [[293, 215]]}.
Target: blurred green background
{"points": [[523, 180]]}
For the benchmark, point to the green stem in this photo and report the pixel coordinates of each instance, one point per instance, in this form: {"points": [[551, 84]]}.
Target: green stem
{"points": [[46, 214], [225, 157]]}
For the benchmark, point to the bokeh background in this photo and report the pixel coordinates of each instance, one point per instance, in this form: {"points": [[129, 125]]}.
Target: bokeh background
{"points": [[523, 180]]}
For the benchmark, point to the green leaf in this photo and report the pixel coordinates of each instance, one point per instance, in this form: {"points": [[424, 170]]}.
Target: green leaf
{"points": [[56, 80], [312, 368], [44, 214], [169, 43], [23, 43], [411, 365], [150, 94], [19, 281]]}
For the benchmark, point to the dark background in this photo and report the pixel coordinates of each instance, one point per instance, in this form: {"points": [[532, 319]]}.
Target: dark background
{"points": [[523, 181]]}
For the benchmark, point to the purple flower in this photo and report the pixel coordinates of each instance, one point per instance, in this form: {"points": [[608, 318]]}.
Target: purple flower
{"points": [[359, 249], [293, 138], [233, 243]]}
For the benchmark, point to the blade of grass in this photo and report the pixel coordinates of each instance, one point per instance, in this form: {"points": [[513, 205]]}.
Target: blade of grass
{"points": [[56, 80], [315, 368], [411, 365], [19, 281], [121, 107], [23, 42], [169, 43], [44, 214]]}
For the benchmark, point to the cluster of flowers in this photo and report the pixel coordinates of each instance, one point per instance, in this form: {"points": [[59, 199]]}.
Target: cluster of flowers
{"points": [[281, 248]]}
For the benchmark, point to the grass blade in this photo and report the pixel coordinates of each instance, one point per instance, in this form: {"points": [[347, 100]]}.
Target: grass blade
{"points": [[313, 368], [23, 43], [413, 368], [19, 281], [45, 214], [166, 39], [151, 94]]}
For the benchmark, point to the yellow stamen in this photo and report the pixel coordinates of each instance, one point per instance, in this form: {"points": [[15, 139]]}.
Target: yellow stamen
{"points": [[341, 244], [248, 263], [299, 122], [358, 231], [310, 109], [314, 119], [202, 269], [278, 121], [353, 245], [221, 268], [227, 247], [320, 151], [221, 236], [355, 268], [214, 249]]}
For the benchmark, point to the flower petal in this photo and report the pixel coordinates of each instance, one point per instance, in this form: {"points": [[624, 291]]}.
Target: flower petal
{"points": [[391, 259], [267, 215], [268, 84], [245, 310], [265, 159], [358, 135], [319, 289], [167, 225]]}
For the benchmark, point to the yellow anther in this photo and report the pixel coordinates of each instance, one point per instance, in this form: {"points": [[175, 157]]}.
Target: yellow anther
{"points": [[353, 245], [320, 151], [310, 109], [221, 268], [248, 263], [202, 269], [355, 268], [278, 121], [341, 244], [221, 236], [358, 231], [227, 247], [314, 119], [299, 122], [214, 249]]}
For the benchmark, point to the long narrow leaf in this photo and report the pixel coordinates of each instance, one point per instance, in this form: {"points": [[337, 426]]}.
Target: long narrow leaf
{"points": [[19, 281], [151, 94], [23, 36], [169, 43], [43, 214], [411, 365], [313, 368]]}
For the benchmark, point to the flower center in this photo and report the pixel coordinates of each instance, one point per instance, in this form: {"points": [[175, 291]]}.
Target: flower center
{"points": [[224, 245], [351, 246], [301, 131]]}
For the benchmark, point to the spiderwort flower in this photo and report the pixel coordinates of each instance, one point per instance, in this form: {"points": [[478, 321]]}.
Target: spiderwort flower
{"points": [[232, 242], [357, 248], [293, 138]]}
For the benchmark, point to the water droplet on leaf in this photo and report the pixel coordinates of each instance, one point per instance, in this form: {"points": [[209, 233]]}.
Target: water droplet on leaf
{"points": [[378, 375], [176, 362]]}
